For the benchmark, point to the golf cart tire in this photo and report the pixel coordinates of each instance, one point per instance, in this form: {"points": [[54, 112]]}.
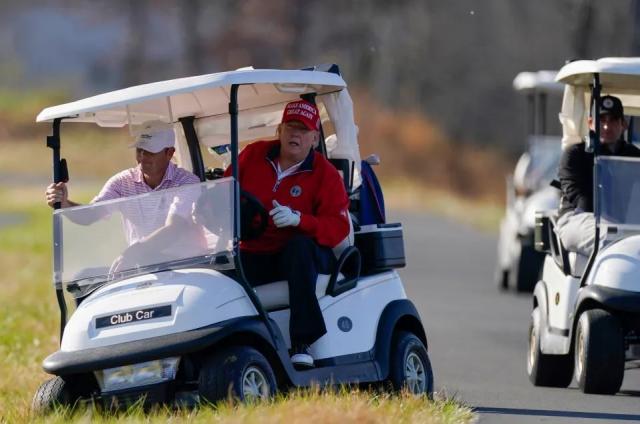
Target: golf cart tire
{"points": [[407, 346], [51, 394], [602, 352], [221, 376], [527, 269], [543, 369]]}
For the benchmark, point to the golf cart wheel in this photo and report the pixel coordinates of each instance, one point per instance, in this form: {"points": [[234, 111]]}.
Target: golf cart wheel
{"points": [[410, 367], [599, 352], [543, 369], [50, 394], [238, 372]]}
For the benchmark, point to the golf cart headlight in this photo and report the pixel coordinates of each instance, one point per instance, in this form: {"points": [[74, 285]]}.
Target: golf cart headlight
{"points": [[136, 375]]}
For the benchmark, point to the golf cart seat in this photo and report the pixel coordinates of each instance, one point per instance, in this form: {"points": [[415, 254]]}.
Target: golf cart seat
{"points": [[275, 295], [344, 277]]}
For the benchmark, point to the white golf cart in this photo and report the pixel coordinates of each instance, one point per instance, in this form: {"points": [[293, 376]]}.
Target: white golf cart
{"points": [[519, 265], [178, 322], [586, 311]]}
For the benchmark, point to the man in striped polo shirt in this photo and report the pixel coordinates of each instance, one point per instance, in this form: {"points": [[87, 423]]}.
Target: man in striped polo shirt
{"points": [[154, 172]]}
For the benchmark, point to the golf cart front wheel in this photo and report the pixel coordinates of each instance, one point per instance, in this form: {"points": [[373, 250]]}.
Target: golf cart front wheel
{"points": [[51, 394], [543, 369], [599, 352], [239, 372], [410, 367]]}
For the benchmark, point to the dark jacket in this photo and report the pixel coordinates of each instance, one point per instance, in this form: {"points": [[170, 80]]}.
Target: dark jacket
{"points": [[575, 173], [315, 190]]}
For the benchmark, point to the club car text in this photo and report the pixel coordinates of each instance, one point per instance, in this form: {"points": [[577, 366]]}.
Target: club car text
{"points": [[133, 316]]}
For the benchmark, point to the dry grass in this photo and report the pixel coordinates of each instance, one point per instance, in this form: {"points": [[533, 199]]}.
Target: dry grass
{"points": [[403, 194], [301, 406], [414, 149]]}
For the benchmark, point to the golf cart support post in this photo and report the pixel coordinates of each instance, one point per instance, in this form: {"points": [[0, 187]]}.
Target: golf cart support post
{"points": [[60, 174], [595, 99]]}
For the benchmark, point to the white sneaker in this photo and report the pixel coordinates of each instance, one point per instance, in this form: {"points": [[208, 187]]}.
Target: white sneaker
{"points": [[302, 357]]}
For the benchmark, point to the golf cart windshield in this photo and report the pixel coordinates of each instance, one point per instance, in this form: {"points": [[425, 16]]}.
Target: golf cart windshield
{"points": [[119, 238], [539, 164], [619, 192]]}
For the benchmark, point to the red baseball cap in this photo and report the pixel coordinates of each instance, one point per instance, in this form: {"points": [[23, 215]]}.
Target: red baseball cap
{"points": [[303, 111]]}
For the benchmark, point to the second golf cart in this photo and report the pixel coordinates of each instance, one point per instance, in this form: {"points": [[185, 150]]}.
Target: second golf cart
{"points": [[586, 310]]}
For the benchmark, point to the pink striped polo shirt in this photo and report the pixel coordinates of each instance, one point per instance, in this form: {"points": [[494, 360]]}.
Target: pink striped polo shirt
{"points": [[149, 213]]}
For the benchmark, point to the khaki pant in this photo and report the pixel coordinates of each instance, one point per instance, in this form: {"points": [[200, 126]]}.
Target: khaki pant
{"points": [[577, 231]]}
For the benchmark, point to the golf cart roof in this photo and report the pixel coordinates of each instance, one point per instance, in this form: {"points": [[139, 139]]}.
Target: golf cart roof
{"points": [[199, 96], [619, 76], [540, 81]]}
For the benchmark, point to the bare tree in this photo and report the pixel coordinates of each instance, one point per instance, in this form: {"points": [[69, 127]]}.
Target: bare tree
{"points": [[134, 61], [190, 12]]}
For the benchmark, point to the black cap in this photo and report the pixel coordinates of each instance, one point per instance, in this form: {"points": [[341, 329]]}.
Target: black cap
{"points": [[611, 105]]}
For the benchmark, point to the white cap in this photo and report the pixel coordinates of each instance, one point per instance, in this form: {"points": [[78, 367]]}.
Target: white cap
{"points": [[154, 137]]}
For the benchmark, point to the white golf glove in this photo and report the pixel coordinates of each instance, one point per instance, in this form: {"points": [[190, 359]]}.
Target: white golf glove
{"points": [[284, 216]]}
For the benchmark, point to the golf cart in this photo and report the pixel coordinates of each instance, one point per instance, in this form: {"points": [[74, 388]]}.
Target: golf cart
{"points": [[519, 265], [586, 310], [178, 323]]}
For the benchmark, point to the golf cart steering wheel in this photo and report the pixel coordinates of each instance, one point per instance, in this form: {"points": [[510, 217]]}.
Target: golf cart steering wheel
{"points": [[253, 217]]}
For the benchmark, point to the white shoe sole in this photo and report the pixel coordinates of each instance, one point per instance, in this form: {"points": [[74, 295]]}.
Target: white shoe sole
{"points": [[302, 360]]}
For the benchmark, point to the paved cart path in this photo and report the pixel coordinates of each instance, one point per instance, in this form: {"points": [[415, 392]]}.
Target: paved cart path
{"points": [[478, 336]]}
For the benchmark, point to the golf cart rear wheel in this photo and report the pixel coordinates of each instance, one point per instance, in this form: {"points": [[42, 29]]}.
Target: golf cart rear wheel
{"points": [[239, 372], [410, 367], [599, 352], [546, 370], [51, 394]]}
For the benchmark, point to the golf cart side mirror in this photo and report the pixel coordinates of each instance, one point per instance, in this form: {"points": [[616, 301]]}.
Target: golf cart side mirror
{"points": [[373, 159]]}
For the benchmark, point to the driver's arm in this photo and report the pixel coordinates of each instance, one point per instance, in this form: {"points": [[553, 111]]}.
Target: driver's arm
{"points": [[574, 179], [58, 192], [176, 228], [179, 225]]}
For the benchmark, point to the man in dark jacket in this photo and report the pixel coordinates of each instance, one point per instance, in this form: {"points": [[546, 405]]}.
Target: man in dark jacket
{"points": [[309, 216], [576, 226]]}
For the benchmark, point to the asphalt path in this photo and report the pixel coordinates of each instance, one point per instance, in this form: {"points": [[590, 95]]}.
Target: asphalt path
{"points": [[477, 335]]}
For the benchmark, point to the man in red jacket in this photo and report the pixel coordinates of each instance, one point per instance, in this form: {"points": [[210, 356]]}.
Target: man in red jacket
{"points": [[309, 215]]}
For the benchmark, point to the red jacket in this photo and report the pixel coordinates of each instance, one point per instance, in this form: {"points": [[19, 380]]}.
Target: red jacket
{"points": [[316, 190]]}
